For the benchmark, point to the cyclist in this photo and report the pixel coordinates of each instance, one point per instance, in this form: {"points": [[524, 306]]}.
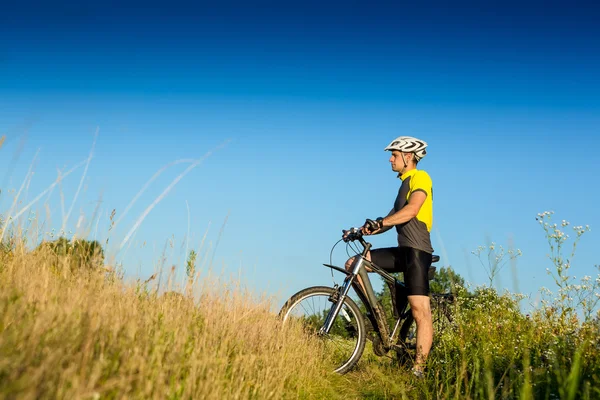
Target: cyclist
{"points": [[412, 216]]}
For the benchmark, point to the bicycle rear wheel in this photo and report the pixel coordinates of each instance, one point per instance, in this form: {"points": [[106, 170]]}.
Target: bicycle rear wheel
{"points": [[345, 342], [441, 312]]}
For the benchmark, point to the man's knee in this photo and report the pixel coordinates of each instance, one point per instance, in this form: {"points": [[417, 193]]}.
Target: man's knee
{"points": [[349, 264], [420, 308]]}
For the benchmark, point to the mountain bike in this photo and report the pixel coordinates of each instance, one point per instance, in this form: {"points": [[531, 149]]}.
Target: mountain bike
{"points": [[332, 315]]}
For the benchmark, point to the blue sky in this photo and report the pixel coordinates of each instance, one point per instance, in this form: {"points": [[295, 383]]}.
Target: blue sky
{"points": [[306, 98]]}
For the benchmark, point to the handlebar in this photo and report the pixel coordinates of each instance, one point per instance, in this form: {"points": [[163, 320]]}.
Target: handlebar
{"points": [[354, 234]]}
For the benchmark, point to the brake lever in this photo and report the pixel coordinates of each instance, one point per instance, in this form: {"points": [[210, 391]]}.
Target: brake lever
{"points": [[353, 234]]}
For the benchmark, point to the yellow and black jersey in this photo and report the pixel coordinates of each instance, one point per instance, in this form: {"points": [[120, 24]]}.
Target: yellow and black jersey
{"points": [[416, 232]]}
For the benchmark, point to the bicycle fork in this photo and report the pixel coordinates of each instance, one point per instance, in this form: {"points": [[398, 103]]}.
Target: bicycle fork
{"points": [[340, 296]]}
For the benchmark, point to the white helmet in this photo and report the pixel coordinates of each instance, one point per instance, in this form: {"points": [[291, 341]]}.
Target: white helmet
{"points": [[408, 144]]}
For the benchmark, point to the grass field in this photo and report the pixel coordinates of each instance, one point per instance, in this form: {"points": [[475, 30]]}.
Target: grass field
{"points": [[68, 331]]}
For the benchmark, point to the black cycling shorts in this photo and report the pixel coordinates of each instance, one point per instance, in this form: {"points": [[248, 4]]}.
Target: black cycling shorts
{"points": [[413, 263]]}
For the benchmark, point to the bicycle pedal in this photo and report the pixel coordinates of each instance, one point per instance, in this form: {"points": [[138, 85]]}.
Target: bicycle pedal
{"points": [[403, 347]]}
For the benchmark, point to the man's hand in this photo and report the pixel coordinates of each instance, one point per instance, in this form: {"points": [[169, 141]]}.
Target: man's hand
{"points": [[372, 227]]}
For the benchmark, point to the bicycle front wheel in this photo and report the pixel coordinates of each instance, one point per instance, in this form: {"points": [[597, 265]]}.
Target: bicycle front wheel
{"points": [[345, 342]]}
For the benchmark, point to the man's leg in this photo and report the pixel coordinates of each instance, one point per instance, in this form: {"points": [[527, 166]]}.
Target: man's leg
{"points": [[385, 258], [348, 266], [421, 311]]}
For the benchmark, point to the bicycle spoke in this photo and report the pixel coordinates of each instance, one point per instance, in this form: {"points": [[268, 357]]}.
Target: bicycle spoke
{"points": [[345, 341]]}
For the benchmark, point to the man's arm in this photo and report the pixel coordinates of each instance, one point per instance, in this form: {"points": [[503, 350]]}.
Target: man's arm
{"points": [[409, 211], [386, 228]]}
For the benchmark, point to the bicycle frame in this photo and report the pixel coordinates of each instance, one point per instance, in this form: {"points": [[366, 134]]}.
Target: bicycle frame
{"points": [[368, 297]]}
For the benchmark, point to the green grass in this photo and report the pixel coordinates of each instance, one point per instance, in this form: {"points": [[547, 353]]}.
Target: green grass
{"points": [[69, 332]]}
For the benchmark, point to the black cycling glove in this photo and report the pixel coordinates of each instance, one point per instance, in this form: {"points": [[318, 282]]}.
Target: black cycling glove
{"points": [[373, 226]]}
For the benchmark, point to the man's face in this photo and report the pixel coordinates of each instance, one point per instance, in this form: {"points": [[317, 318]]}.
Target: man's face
{"points": [[397, 162]]}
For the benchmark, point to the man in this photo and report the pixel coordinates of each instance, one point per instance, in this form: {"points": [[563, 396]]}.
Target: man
{"points": [[412, 215]]}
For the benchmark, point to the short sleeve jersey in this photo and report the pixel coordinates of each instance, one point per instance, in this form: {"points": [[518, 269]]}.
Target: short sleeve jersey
{"points": [[416, 232]]}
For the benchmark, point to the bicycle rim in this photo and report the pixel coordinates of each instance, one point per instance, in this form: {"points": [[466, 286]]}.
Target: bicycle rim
{"points": [[344, 344], [441, 315]]}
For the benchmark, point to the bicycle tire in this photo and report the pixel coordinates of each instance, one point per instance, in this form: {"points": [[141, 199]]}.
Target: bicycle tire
{"points": [[345, 364], [441, 313]]}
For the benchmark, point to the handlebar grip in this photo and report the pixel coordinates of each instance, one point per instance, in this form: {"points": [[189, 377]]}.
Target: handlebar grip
{"points": [[372, 225]]}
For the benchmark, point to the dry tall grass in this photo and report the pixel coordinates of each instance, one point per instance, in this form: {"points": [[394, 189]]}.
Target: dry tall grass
{"points": [[84, 335], [68, 332]]}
